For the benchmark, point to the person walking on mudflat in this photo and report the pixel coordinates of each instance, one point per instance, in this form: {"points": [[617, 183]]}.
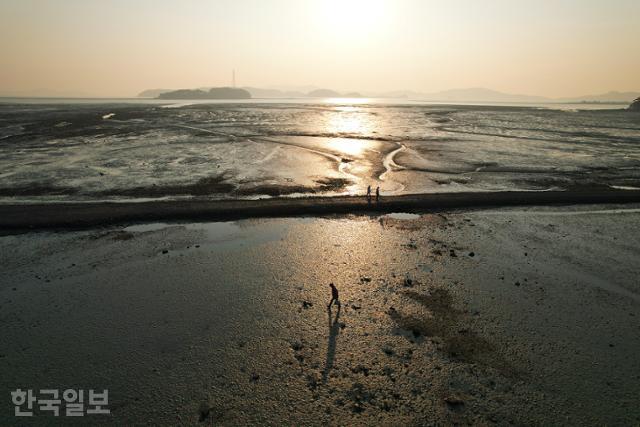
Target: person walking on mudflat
{"points": [[377, 193], [334, 295], [369, 192]]}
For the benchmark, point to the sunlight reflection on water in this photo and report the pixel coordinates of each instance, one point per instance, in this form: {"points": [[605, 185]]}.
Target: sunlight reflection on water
{"points": [[352, 147], [348, 101], [349, 121], [224, 235]]}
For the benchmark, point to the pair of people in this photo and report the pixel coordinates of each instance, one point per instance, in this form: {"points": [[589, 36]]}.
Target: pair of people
{"points": [[377, 193]]}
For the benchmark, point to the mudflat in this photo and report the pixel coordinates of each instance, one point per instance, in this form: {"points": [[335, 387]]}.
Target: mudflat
{"points": [[526, 315]]}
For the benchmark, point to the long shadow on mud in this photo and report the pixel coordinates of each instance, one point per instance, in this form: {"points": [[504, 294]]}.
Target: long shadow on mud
{"points": [[334, 330]]}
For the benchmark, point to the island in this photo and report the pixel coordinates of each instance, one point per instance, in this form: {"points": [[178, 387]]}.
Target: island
{"points": [[635, 105], [323, 93], [152, 93], [213, 93]]}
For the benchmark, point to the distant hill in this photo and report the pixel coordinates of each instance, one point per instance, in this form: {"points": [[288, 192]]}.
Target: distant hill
{"points": [[254, 92], [323, 93], [152, 93], [463, 95], [273, 93], [488, 95], [477, 95], [616, 97], [213, 93], [304, 89], [316, 93]]}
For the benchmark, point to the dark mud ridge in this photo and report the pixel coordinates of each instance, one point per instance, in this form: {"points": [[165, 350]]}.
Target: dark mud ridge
{"points": [[85, 215]]}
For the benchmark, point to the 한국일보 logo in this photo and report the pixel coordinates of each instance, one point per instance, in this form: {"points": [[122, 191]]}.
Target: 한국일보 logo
{"points": [[27, 402]]}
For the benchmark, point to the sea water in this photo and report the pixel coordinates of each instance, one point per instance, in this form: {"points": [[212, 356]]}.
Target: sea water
{"points": [[92, 150]]}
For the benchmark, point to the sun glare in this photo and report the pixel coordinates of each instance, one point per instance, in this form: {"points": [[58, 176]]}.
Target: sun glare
{"points": [[349, 120], [352, 18]]}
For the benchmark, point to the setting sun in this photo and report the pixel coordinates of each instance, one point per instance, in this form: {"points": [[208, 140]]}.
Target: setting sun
{"points": [[352, 18]]}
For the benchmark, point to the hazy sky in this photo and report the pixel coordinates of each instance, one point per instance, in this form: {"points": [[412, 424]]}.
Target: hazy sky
{"points": [[120, 47]]}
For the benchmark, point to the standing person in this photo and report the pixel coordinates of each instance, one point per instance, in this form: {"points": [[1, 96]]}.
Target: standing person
{"points": [[377, 193], [334, 295], [369, 192]]}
